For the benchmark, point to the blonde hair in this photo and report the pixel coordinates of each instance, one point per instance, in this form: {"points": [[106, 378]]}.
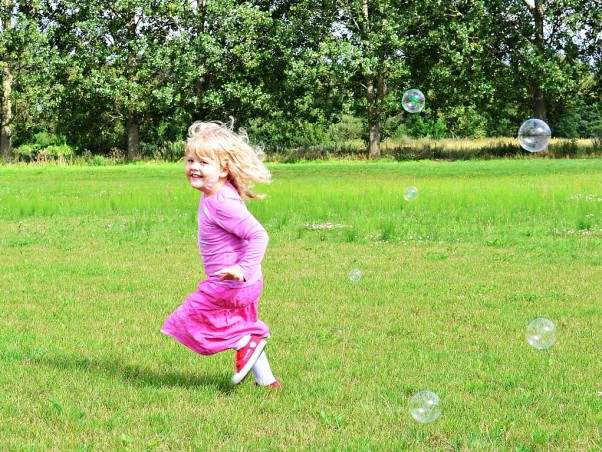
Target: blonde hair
{"points": [[219, 142]]}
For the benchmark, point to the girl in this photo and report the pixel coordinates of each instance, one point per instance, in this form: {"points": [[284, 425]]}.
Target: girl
{"points": [[222, 313]]}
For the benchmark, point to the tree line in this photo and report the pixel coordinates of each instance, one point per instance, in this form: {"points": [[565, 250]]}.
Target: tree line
{"points": [[100, 76]]}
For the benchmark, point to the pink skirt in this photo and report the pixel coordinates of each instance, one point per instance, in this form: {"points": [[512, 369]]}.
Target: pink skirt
{"points": [[215, 318]]}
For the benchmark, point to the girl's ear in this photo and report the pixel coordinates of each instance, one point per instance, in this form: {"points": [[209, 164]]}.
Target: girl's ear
{"points": [[224, 172]]}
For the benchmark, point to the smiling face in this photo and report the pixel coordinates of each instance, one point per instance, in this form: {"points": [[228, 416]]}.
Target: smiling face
{"points": [[204, 173]]}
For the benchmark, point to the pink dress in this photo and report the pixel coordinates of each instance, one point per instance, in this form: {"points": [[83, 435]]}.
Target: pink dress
{"points": [[220, 313]]}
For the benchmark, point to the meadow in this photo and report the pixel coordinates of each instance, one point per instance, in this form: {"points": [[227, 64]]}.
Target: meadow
{"points": [[93, 259]]}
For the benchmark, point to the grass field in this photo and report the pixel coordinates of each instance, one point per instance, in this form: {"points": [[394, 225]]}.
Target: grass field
{"points": [[92, 260]]}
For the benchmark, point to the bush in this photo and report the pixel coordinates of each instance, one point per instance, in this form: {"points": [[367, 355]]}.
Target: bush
{"points": [[290, 133], [432, 151], [426, 127], [46, 147], [348, 129], [25, 153], [324, 152], [564, 149], [580, 121], [167, 151], [99, 160], [60, 151], [46, 139]]}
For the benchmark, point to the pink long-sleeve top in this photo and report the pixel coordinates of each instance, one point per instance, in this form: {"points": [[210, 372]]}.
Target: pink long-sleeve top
{"points": [[230, 236]]}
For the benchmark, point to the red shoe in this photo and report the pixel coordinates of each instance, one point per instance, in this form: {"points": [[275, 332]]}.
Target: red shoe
{"points": [[275, 385], [246, 358]]}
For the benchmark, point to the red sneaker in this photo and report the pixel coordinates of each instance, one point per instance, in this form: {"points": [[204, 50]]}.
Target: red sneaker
{"points": [[246, 358], [275, 385]]}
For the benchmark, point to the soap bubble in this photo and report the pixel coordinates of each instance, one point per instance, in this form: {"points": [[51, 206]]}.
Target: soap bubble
{"points": [[410, 193], [534, 135], [425, 407], [413, 101], [541, 333], [355, 274]]}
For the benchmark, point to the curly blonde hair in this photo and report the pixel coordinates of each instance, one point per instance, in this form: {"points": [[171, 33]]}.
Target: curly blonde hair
{"points": [[219, 142]]}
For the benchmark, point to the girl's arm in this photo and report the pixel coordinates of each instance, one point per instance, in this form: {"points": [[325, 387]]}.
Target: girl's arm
{"points": [[234, 217]]}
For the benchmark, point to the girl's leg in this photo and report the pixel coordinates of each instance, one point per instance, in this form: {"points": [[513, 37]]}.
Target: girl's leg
{"points": [[248, 350], [262, 371], [242, 342]]}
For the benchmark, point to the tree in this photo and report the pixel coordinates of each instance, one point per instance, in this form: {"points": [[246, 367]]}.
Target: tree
{"points": [[540, 43], [304, 84], [373, 35], [223, 55], [7, 80], [259, 62], [27, 88], [116, 62], [134, 72]]}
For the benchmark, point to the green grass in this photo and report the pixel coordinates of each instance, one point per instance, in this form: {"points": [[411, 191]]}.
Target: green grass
{"points": [[92, 260]]}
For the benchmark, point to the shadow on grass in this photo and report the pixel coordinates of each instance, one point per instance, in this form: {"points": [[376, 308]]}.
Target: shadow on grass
{"points": [[138, 375]]}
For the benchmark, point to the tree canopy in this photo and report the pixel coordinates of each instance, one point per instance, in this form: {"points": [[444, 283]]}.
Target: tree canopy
{"points": [[134, 73]]}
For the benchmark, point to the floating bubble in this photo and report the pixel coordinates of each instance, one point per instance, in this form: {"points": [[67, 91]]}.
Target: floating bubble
{"points": [[410, 193], [425, 407], [355, 274], [534, 135], [541, 333], [413, 101]]}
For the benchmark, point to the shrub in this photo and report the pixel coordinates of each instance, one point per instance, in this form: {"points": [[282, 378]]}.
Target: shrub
{"points": [[167, 151], [46, 139], [427, 127], [60, 151], [349, 128], [25, 153], [98, 160], [46, 147], [564, 149]]}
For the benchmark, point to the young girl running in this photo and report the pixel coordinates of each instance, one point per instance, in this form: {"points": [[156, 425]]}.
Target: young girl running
{"points": [[222, 313]]}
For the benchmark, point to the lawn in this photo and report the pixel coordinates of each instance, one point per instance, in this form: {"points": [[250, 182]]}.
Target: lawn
{"points": [[92, 260]]}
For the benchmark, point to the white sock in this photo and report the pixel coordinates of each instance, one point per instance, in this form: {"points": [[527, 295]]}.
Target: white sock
{"points": [[242, 342], [263, 371]]}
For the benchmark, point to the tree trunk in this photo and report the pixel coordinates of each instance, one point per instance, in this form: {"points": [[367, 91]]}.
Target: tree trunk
{"points": [[372, 94], [201, 81], [7, 85], [133, 145], [133, 150], [365, 12], [374, 141], [540, 103], [7, 113], [373, 118]]}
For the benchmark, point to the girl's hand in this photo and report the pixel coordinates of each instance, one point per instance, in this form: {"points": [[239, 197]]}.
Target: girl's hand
{"points": [[229, 274]]}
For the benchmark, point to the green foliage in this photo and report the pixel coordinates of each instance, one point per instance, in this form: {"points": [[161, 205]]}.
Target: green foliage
{"points": [[349, 128], [422, 126], [431, 151], [46, 147], [24, 152], [60, 151], [467, 122], [283, 133], [166, 151], [297, 73], [46, 139], [579, 121]]}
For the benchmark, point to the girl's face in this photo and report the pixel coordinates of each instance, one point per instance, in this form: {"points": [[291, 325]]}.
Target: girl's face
{"points": [[204, 173]]}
